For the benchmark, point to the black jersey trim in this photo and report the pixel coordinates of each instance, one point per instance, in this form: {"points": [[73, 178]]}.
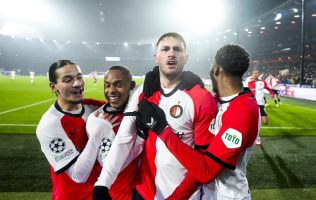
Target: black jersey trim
{"points": [[67, 166], [245, 91], [201, 146], [219, 161], [67, 113], [170, 93]]}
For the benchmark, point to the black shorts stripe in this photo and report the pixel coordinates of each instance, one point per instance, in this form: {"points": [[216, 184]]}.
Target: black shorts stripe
{"points": [[263, 111], [219, 161]]}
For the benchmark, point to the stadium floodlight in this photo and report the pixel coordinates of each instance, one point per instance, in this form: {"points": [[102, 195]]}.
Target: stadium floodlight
{"points": [[200, 15], [278, 17], [296, 16], [68, 42], [113, 59], [125, 44], [263, 28], [19, 30], [277, 22], [27, 11], [295, 10], [97, 43]]}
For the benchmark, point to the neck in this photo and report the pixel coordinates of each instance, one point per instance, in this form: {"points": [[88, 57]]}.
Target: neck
{"points": [[229, 87], [169, 82], [66, 106]]}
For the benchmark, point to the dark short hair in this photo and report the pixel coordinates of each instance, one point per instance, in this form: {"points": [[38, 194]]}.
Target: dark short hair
{"points": [[174, 35], [122, 68], [55, 66], [233, 59]]}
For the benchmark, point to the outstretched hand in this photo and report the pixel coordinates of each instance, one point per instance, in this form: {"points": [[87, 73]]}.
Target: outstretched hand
{"points": [[152, 116]]}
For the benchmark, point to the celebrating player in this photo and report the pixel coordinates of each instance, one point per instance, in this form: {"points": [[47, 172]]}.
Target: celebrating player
{"points": [[189, 109], [118, 84], [236, 128], [63, 138]]}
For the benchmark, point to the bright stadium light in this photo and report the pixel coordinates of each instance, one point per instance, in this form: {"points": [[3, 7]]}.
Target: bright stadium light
{"points": [[200, 15], [31, 11], [19, 30], [278, 17], [113, 59]]}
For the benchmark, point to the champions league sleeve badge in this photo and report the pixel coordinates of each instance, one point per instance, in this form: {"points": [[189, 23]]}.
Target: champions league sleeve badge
{"points": [[57, 145]]}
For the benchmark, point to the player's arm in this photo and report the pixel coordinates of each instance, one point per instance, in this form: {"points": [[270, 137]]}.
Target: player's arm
{"points": [[63, 155], [268, 88], [203, 167]]}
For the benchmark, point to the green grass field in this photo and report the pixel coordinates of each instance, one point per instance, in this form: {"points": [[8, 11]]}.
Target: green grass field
{"points": [[282, 168]]}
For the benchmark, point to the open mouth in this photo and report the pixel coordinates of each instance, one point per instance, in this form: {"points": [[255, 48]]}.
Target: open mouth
{"points": [[77, 92], [171, 62], [113, 99]]}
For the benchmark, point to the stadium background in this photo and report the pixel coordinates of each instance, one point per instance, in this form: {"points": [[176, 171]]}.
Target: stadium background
{"points": [[93, 34]]}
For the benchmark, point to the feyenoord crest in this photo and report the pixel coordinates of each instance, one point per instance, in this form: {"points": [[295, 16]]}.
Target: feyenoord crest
{"points": [[176, 111], [57, 145]]}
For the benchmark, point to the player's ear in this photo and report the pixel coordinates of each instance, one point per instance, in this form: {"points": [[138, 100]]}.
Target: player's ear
{"points": [[216, 70], [53, 87]]}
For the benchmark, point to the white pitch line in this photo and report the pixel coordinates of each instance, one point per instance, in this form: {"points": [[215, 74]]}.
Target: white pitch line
{"points": [[18, 125], [299, 128], [34, 104]]}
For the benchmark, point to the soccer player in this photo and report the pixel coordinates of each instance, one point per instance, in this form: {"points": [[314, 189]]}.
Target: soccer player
{"points": [[118, 85], [257, 87], [32, 76], [63, 138], [12, 75], [236, 127], [274, 83], [189, 109]]}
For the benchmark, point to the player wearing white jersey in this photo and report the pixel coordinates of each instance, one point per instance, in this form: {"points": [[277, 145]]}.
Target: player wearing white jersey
{"points": [[236, 128], [63, 138], [189, 108]]}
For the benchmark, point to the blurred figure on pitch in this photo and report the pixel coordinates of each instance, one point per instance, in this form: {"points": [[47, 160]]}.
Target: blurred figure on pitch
{"points": [[118, 85], [94, 76], [32, 76], [63, 137], [13, 75], [274, 83], [257, 88]]}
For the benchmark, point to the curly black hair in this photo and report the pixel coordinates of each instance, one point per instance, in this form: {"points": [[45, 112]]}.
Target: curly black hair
{"points": [[233, 59]]}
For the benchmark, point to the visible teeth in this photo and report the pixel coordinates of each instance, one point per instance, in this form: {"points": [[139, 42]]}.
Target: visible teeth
{"points": [[113, 98]]}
